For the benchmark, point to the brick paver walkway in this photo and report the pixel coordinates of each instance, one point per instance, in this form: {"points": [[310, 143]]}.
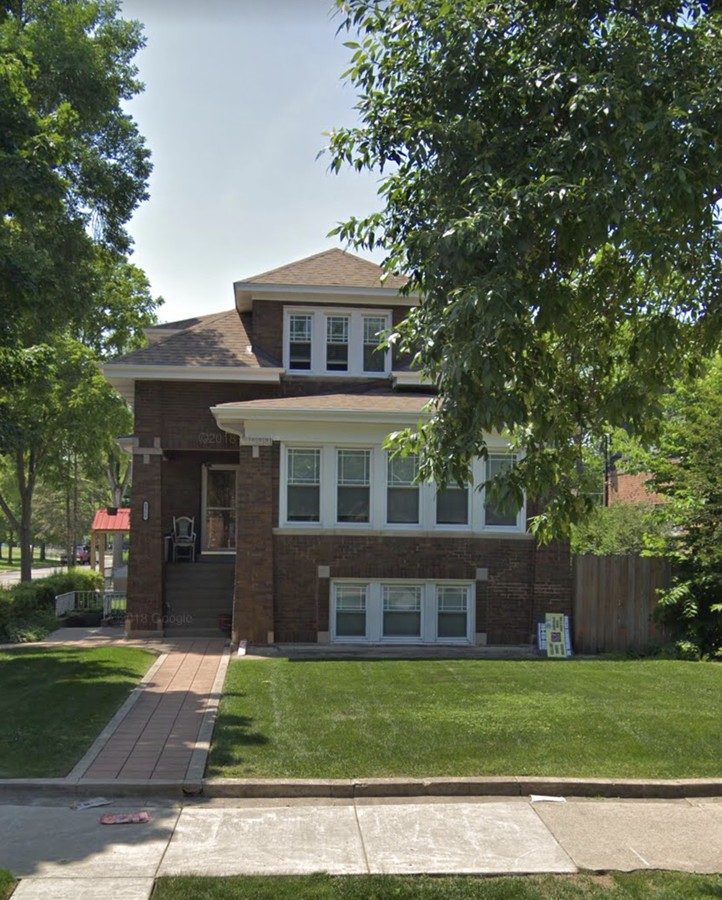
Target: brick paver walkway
{"points": [[157, 737]]}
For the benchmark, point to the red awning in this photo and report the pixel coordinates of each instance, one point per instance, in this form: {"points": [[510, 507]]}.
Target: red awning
{"points": [[103, 521]]}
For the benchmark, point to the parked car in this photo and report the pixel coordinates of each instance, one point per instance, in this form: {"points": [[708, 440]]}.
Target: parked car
{"points": [[82, 555]]}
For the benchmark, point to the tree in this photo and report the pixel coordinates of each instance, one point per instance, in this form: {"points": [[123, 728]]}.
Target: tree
{"points": [[686, 468], [63, 414], [551, 185], [73, 166]]}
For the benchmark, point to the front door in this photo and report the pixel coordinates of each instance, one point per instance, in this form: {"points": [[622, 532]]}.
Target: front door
{"points": [[219, 509]]}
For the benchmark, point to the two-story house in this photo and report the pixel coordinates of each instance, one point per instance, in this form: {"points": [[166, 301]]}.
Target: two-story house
{"points": [[266, 425]]}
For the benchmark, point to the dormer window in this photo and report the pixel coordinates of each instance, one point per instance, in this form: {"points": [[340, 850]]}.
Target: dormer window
{"points": [[336, 342], [299, 337]]}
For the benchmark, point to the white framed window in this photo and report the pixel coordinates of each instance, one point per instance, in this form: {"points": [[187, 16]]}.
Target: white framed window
{"points": [[300, 336], [452, 612], [335, 341], [303, 484], [452, 506], [495, 516], [337, 487], [402, 611], [402, 490], [349, 612], [374, 358], [353, 485]]}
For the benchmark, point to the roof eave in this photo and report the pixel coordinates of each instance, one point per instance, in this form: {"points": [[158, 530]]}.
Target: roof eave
{"points": [[246, 291]]}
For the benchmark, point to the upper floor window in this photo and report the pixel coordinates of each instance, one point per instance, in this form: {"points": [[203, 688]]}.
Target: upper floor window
{"points": [[336, 341], [299, 342]]}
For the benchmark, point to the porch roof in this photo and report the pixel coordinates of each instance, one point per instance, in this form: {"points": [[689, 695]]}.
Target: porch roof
{"points": [[111, 522], [376, 402]]}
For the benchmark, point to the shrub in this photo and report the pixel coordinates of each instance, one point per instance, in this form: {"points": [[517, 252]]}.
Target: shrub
{"points": [[27, 611]]}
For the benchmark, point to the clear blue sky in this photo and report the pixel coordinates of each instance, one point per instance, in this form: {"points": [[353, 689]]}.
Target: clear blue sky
{"points": [[238, 95]]}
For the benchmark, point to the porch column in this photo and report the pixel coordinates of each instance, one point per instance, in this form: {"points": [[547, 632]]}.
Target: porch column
{"points": [[145, 563], [253, 618]]}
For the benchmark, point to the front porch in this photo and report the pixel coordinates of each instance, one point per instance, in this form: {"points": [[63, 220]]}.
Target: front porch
{"points": [[198, 597]]}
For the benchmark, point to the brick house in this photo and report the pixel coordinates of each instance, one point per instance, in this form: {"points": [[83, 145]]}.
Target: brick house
{"points": [[266, 425]]}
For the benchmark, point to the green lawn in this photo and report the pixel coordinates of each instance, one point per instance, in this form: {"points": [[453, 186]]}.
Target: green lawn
{"points": [[7, 884], [616, 886], [630, 719], [55, 701]]}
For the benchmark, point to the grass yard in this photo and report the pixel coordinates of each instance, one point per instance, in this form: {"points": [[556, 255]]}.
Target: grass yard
{"points": [[7, 884], [55, 701], [616, 886], [586, 718]]}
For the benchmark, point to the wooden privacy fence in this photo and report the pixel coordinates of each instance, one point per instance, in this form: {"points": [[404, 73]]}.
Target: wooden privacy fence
{"points": [[614, 598]]}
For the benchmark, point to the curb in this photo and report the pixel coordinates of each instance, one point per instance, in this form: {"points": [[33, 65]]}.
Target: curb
{"points": [[353, 789]]}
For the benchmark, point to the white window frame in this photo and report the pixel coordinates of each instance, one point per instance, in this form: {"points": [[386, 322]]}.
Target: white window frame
{"points": [[483, 468], [337, 523], [283, 499], [319, 318], [429, 611], [378, 495]]}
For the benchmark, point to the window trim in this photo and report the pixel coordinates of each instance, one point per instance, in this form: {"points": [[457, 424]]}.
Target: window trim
{"points": [[336, 453], [378, 497], [429, 611], [319, 348]]}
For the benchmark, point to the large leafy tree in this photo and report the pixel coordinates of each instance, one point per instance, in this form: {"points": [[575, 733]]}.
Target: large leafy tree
{"points": [[73, 166], [685, 468], [552, 174]]}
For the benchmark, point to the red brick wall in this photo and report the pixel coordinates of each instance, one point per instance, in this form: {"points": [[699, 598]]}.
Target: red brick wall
{"points": [[254, 588], [522, 579], [145, 570], [277, 585], [626, 488]]}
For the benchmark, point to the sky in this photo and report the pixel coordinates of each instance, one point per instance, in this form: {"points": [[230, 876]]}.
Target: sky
{"points": [[238, 95]]}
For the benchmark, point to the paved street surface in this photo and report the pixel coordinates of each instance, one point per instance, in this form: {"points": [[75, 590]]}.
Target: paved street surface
{"points": [[59, 852]]}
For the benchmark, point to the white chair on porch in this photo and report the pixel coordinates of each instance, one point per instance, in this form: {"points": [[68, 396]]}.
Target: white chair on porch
{"points": [[184, 538]]}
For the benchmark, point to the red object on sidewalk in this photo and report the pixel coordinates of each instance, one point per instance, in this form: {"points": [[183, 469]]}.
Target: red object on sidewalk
{"points": [[125, 818]]}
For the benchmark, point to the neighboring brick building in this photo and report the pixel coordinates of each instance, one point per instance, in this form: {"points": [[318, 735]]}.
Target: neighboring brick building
{"points": [[266, 425]]}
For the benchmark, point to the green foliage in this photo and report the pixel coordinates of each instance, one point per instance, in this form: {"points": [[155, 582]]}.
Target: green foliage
{"points": [[612, 530], [551, 186], [686, 467], [73, 166], [27, 611]]}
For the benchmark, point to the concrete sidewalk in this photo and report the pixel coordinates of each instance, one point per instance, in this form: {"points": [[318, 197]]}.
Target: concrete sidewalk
{"points": [[62, 853]]}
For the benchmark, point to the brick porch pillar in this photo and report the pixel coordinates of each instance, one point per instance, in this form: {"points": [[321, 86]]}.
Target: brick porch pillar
{"points": [[253, 618], [145, 563]]}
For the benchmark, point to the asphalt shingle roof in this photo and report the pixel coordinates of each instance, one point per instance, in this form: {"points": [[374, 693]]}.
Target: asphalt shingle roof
{"points": [[330, 268], [219, 340], [377, 401]]}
